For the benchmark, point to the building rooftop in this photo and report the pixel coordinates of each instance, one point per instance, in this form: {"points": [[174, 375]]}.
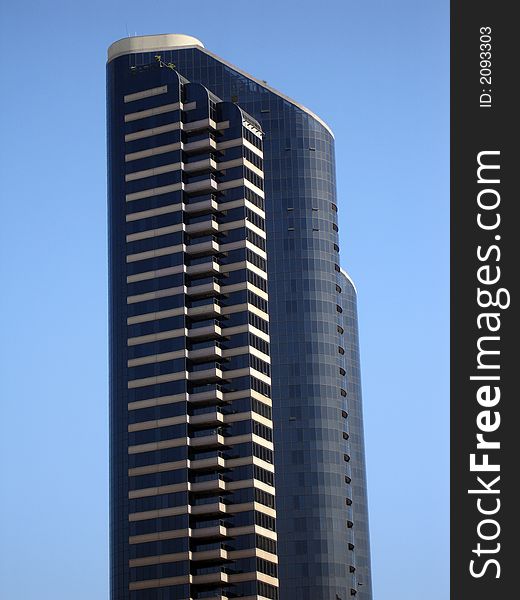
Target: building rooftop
{"points": [[169, 41]]}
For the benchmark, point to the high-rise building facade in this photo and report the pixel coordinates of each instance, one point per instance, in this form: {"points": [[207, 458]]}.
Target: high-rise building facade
{"points": [[237, 460]]}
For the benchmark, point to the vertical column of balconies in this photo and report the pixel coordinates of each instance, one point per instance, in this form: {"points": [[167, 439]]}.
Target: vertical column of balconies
{"points": [[216, 401], [200, 429], [207, 487]]}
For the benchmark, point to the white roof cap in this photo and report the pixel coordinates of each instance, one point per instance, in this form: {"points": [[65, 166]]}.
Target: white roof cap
{"points": [[151, 43]]}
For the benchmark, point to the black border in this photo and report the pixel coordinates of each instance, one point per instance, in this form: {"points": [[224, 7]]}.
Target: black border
{"points": [[475, 129]]}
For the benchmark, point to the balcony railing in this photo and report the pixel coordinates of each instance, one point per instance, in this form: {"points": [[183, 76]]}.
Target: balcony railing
{"points": [[208, 419], [215, 485], [204, 329], [211, 352], [206, 247], [215, 463], [205, 309], [214, 555], [213, 509], [214, 440], [209, 395], [220, 577], [201, 164], [208, 265], [201, 183], [206, 286], [204, 224]]}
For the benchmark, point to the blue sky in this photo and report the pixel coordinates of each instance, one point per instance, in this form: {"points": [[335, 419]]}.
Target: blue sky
{"points": [[378, 73]]}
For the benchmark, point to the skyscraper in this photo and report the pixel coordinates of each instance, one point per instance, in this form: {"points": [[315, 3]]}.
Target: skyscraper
{"points": [[237, 461]]}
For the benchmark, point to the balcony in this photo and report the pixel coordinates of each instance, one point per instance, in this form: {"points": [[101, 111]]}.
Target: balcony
{"points": [[208, 288], [207, 225], [211, 532], [206, 310], [202, 330], [215, 508], [209, 396], [214, 485], [205, 247], [214, 596], [211, 352], [210, 375], [211, 418], [210, 578], [214, 555], [213, 440], [204, 206], [205, 164], [199, 124], [208, 266], [207, 143], [208, 184], [212, 463]]}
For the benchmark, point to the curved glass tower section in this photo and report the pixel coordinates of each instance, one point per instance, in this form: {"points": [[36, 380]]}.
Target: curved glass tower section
{"points": [[356, 439], [320, 549]]}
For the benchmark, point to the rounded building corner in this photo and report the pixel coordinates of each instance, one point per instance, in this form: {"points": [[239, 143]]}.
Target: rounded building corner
{"points": [[349, 279], [151, 43]]}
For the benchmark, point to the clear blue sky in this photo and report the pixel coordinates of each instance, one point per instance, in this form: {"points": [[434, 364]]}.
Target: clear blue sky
{"points": [[378, 73]]}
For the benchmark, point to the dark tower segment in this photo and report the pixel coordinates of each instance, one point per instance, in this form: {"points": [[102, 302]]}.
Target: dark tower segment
{"points": [[192, 467], [315, 459]]}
